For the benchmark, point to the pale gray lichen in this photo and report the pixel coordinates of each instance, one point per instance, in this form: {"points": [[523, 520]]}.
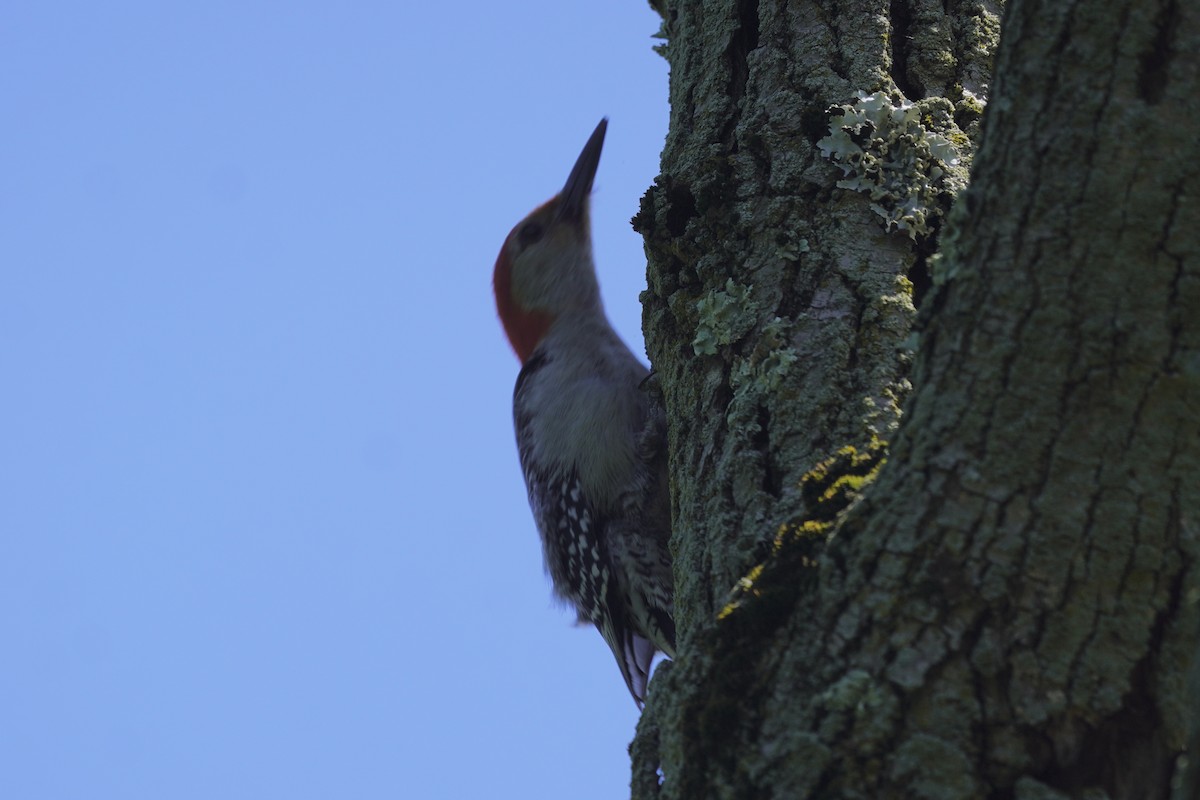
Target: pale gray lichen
{"points": [[767, 366], [664, 36], [725, 315], [860, 708], [970, 103], [888, 153], [855, 691], [791, 247]]}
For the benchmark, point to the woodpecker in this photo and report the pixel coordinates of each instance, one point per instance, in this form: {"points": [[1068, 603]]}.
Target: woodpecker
{"points": [[592, 444]]}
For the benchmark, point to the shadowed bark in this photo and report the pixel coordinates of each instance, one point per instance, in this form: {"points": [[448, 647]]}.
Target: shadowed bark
{"points": [[1009, 606]]}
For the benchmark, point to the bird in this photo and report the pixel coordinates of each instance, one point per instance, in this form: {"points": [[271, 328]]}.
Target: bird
{"points": [[590, 437]]}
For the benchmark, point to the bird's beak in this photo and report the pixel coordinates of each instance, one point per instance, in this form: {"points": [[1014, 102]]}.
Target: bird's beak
{"points": [[572, 200]]}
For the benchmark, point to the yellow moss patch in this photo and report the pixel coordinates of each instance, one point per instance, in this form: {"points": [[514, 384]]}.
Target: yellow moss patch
{"points": [[829, 488]]}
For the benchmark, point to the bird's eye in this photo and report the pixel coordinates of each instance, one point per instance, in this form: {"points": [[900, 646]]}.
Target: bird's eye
{"points": [[530, 232]]}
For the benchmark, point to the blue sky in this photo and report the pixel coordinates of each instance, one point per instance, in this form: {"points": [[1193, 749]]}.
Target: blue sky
{"points": [[262, 529]]}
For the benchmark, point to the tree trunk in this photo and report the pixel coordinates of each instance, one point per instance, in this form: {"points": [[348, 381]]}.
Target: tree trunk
{"points": [[1010, 606]]}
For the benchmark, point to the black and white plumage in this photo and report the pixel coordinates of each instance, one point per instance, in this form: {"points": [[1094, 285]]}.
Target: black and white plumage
{"points": [[606, 548]]}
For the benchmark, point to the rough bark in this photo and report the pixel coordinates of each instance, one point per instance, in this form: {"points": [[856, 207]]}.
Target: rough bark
{"points": [[1012, 608]]}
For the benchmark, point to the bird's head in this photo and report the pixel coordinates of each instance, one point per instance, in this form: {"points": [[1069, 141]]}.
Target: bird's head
{"points": [[544, 270]]}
